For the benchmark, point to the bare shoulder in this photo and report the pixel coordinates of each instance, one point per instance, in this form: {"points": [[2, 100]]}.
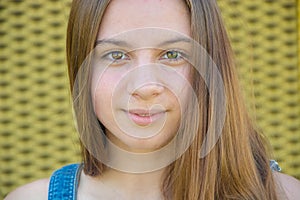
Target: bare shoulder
{"points": [[37, 190], [290, 185]]}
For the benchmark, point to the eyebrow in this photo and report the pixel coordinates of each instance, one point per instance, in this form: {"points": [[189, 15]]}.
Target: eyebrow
{"points": [[112, 41], [125, 44], [176, 40]]}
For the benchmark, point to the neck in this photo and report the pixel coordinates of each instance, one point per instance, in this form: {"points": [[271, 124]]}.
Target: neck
{"points": [[134, 185], [137, 175]]}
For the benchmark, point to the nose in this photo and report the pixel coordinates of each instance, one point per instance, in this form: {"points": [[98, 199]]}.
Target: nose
{"points": [[146, 77], [148, 91]]}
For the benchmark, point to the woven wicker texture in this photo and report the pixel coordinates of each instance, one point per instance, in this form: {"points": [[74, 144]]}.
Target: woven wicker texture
{"points": [[264, 37], [37, 133]]}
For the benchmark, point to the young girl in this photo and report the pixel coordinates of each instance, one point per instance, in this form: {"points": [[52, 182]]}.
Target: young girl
{"points": [[158, 109]]}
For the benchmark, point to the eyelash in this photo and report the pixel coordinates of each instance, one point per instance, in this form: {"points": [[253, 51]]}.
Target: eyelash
{"points": [[110, 54], [180, 55], [124, 56]]}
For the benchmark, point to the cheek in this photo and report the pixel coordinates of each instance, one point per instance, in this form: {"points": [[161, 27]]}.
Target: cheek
{"points": [[180, 85], [102, 91], [186, 72]]}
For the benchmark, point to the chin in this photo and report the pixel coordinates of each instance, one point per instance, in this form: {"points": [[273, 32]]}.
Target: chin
{"points": [[142, 145]]}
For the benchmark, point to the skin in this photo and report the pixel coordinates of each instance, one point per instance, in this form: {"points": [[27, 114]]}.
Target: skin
{"points": [[115, 184], [128, 87], [141, 90]]}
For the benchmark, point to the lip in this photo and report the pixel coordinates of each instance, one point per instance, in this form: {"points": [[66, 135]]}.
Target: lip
{"points": [[143, 117]]}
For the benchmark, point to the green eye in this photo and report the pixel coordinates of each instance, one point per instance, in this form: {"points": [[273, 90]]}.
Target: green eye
{"points": [[173, 57], [117, 55], [172, 54]]}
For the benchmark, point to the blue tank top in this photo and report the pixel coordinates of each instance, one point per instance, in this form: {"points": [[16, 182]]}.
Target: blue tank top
{"points": [[64, 181]]}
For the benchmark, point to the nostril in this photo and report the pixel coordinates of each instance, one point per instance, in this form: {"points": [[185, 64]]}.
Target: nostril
{"points": [[148, 91]]}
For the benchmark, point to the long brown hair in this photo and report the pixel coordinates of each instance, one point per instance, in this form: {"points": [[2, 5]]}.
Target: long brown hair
{"points": [[238, 165]]}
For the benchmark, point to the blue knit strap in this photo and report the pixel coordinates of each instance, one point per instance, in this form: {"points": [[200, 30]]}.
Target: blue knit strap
{"points": [[64, 182], [274, 166]]}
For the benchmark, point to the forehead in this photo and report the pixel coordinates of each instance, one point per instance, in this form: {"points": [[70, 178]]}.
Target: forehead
{"points": [[125, 15]]}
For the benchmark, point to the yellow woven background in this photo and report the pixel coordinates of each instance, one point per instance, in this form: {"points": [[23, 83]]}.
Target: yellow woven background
{"points": [[37, 134]]}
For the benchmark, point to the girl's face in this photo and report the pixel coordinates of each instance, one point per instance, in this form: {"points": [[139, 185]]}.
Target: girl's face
{"points": [[140, 76]]}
